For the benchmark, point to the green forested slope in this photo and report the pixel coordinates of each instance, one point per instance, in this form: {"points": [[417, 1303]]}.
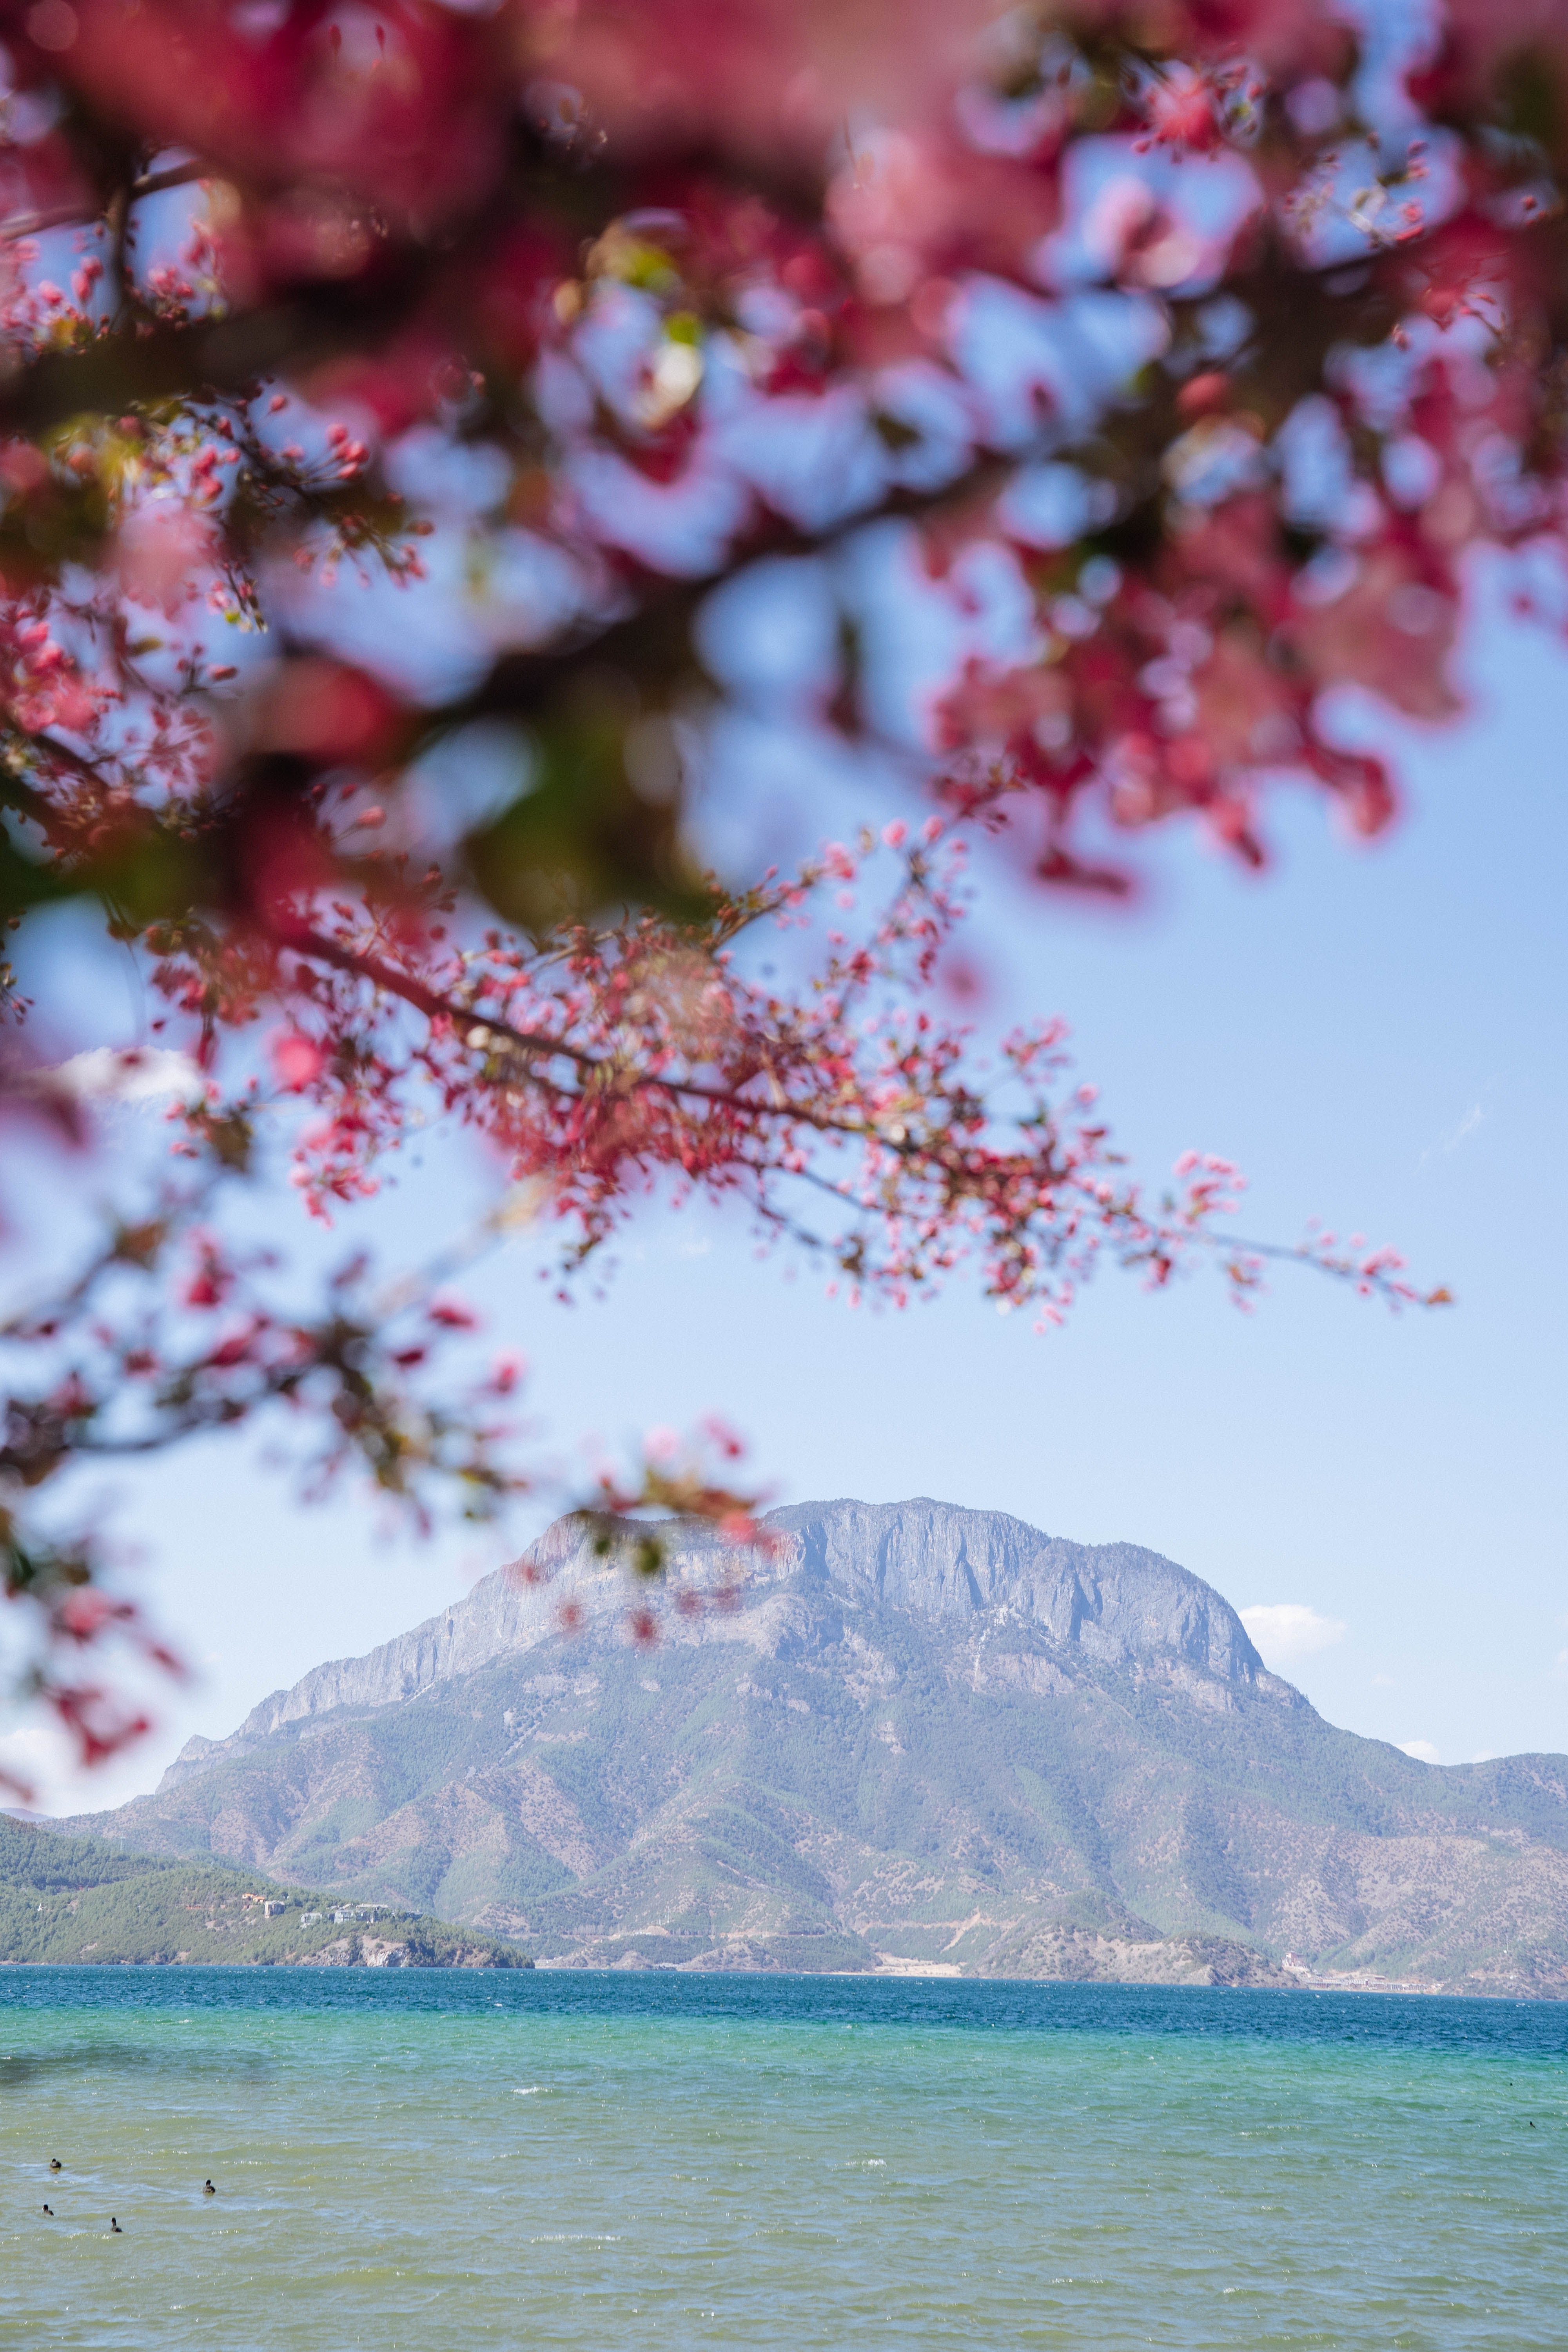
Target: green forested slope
{"points": [[69, 1900]]}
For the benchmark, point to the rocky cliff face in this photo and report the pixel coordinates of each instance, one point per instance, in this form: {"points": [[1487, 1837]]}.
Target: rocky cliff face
{"points": [[1115, 1601], [502, 1613], [915, 1735]]}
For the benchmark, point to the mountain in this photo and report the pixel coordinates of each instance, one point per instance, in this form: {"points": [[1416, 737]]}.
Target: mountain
{"points": [[900, 1735], [69, 1900]]}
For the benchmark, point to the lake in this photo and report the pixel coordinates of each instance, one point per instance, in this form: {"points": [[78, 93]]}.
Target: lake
{"points": [[428, 2159]]}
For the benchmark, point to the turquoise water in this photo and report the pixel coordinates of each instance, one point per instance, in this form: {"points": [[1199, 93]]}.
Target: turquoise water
{"points": [[431, 2159]]}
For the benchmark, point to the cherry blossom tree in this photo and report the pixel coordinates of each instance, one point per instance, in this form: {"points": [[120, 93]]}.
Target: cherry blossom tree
{"points": [[392, 398]]}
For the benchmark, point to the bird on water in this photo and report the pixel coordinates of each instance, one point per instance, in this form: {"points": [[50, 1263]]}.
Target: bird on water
{"points": [[50, 2211], [114, 2228], [207, 2188], [54, 2164]]}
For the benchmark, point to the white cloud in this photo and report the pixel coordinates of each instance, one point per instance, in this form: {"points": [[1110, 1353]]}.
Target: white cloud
{"points": [[1422, 1750], [141, 1075], [29, 1758], [27, 1747], [1286, 1631]]}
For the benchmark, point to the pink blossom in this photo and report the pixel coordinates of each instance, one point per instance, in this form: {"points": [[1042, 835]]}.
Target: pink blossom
{"points": [[453, 1313], [298, 1060]]}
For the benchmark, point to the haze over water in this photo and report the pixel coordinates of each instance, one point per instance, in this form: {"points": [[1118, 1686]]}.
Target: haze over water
{"points": [[427, 2157]]}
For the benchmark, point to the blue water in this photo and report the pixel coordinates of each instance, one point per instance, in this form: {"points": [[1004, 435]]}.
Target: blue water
{"points": [[435, 2159]]}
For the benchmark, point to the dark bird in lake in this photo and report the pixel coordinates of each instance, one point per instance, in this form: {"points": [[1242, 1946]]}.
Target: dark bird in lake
{"points": [[207, 2188], [54, 2164], [114, 2228], [50, 2211]]}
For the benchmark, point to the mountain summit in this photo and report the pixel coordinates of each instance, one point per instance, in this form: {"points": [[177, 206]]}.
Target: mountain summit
{"points": [[902, 1735]]}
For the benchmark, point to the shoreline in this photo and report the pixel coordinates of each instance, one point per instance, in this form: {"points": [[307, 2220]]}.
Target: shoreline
{"points": [[1385, 1988]]}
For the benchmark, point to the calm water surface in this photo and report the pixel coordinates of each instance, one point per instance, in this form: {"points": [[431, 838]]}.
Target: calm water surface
{"points": [[425, 2159]]}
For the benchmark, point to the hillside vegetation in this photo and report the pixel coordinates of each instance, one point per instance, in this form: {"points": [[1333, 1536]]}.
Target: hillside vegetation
{"points": [[67, 1901]]}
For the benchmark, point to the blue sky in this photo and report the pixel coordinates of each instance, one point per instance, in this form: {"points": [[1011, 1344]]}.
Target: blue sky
{"points": [[1377, 1035]]}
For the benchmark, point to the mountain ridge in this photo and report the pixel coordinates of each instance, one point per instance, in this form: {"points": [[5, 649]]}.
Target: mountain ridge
{"points": [[903, 1734], [503, 1613]]}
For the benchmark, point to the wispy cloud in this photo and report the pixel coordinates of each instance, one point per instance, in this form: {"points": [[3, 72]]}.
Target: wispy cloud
{"points": [[1474, 1117], [1422, 1750], [1286, 1631]]}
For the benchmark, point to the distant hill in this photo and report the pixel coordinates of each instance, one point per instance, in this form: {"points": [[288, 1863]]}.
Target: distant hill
{"points": [[925, 1737], [67, 1900]]}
